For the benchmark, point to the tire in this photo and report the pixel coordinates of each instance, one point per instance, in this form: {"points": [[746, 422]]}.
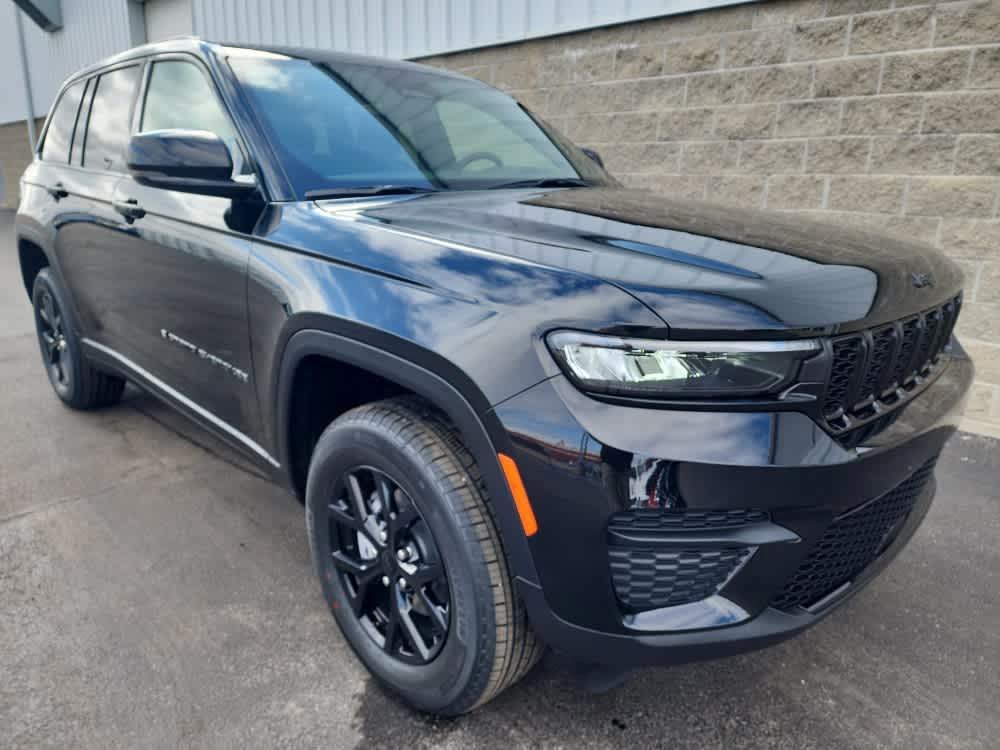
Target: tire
{"points": [[72, 377], [488, 644]]}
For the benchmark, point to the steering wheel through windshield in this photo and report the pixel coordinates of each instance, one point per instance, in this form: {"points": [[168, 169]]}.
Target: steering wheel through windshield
{"points": [[475, 156]]}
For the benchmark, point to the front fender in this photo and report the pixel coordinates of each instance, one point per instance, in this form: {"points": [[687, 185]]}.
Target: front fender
{"points": [[445, 387]]}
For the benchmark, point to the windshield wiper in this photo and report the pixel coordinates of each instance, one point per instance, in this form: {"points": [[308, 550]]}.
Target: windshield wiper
{"points": [[544, 182], [363, 190]]}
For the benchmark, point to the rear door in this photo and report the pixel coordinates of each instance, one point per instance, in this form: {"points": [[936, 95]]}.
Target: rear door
{"points": [[182, 263], [89, 232]]}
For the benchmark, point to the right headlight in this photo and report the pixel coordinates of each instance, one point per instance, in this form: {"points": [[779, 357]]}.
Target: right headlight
{"points": [[647, 368]]}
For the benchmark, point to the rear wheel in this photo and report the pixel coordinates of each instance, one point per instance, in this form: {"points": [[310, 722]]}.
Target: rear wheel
{"points": [[410, 560], [73, 378]]}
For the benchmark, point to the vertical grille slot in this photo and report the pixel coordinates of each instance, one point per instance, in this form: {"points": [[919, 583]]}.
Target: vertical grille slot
{"points": [[879, 361], [925, 351], [847, 358], [909, 337]]}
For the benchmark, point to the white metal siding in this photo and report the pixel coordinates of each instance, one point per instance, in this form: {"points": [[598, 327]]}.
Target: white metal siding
{"points": [[415, 28], [92, 29], [166, 19]]}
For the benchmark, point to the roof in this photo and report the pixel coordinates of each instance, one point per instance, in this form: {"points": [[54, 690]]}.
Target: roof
{"points": [[197, 46]]}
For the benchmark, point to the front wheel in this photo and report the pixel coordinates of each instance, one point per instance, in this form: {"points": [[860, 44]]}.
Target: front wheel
{"points": [[410, 560]]}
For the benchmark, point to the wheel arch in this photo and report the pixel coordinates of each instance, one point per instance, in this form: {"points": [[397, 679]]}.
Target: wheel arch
{"points": [[430, 377]]}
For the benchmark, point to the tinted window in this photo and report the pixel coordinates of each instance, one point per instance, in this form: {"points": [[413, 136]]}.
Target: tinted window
{"points": [[59, 135], [108, 128], [180, 96], [350, 125], [475, 134]]}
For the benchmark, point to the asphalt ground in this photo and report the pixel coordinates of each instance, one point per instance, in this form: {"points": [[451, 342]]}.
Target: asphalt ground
{"points": [[156, 593]]}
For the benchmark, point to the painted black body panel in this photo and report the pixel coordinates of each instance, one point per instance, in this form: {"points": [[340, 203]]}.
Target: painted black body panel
{"points": [[450, 294]]}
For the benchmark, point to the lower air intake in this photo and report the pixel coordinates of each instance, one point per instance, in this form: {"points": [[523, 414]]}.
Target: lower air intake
{"points": [[852, 542], [648, 579]]}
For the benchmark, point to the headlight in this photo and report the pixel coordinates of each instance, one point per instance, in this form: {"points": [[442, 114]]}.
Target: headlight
{"points": [[677, 369]]}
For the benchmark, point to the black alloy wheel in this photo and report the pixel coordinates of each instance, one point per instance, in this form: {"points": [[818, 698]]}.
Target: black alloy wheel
{"points": [[389, 565], [409, 559], [52, 338]]}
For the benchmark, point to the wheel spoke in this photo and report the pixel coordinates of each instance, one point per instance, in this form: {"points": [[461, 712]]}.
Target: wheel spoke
{"points": [[50, 342], [357, 498], [424, 574], [50, 311], [439, 620], [412, 634], [392, 626], [364, 572], [363, 576], [405, 515], [343, 516]]}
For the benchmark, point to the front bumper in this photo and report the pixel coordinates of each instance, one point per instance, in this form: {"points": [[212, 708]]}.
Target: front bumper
{"points": [[781, 483]]}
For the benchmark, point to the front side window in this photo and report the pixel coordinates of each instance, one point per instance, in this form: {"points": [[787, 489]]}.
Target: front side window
{"points": [[180, 96], [59, 135], [346, 124], [108, 128]]}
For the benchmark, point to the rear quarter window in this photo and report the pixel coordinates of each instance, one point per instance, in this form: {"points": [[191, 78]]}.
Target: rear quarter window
{"points": [[59, 135]]}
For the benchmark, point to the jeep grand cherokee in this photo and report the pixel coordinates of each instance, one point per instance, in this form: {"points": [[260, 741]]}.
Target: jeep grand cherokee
{"points": [[522, 404]]}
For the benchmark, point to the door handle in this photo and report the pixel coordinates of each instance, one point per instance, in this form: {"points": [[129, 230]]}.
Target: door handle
{"points": [[130, 209], [57, 191]]}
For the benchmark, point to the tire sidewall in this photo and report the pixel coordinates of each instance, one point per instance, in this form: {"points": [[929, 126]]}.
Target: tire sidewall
{"points": [[450, 677], [45, 281]]}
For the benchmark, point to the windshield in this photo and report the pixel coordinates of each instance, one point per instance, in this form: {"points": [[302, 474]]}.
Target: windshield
{"points": [[367, 125]]}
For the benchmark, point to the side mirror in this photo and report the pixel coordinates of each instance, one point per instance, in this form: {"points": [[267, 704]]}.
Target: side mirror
{"points": [[189, 161], [594, 156]]}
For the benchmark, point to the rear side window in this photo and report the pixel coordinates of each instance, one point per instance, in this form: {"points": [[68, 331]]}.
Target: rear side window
{"points": [[59, 136], [108, 128]]}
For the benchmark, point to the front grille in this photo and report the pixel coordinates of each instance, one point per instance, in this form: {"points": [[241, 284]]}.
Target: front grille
{"points": [[871, 369], [852, 542], [651, 578]]}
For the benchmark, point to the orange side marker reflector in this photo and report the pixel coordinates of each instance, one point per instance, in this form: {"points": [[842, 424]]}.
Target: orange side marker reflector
{"points": [[524, 511]]}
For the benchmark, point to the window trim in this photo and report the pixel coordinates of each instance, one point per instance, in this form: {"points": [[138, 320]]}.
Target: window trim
{"points": [[80, 124]]}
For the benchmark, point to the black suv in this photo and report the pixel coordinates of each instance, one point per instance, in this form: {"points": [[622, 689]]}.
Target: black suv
{"points": [[521, 404]]}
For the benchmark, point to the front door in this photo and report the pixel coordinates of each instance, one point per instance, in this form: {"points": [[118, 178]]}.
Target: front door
{"points": [[184, 265]]}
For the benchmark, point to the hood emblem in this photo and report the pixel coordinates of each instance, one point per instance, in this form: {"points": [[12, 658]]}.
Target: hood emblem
{"points": [[921, 280]]}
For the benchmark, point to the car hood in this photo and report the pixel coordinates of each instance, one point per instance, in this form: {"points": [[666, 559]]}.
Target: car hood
{"points": [[701, 267]]}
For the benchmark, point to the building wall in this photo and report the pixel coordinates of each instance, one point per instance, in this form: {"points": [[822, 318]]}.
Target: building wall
{"points": [[849, 110], [410, 28], [167, 18], [15, 155], [92, 30]]}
